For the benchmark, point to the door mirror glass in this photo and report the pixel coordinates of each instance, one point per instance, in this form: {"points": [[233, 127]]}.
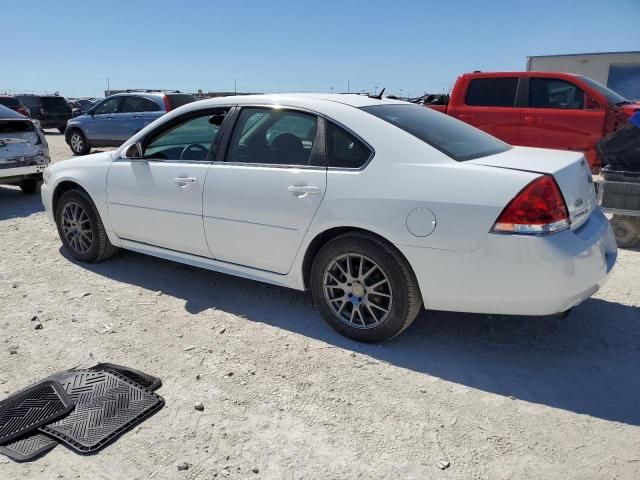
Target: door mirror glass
{"points": [[591, 104], [134, 151]]}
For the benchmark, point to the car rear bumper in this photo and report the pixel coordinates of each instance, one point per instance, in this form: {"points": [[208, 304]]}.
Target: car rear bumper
{"points": [[518, 274], [21, 170]]}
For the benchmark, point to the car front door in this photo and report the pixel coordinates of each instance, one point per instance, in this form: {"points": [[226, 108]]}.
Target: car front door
{"points": [[101, 124], [490, 105], [558, 116], [157, 199], [264, 189]]}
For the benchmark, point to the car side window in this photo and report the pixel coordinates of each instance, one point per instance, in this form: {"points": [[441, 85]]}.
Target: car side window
{"points": [[138, 104], [108, 106], [554, 93], [492, 92], [273, 136], [191, 139], [344, 150]]}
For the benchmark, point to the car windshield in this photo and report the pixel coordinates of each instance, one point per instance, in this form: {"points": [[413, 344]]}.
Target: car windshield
{"points": [[612, 97], [452, 137]]}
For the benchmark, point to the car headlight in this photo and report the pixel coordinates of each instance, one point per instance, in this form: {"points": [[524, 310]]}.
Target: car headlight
{"points": [[46, 175]]}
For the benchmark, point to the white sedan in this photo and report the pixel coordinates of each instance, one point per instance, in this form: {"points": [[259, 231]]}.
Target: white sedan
{"points": [[379, 207]]}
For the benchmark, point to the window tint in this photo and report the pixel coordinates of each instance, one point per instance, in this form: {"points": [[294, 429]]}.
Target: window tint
{"points": [[138, 104], [344, 150], [452, 137], [56, 105], [108, 106], [11, 102], [178, 99], [31, 102], [272, 136], [552, 93], [492, 92], [189, 140], [612, 97]]}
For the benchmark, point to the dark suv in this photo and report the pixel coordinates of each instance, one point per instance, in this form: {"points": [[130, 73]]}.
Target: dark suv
{"points": [[52, 111], [111, 122]]}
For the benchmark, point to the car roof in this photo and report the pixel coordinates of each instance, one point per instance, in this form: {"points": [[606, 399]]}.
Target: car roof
{"points": [[352, 100]]}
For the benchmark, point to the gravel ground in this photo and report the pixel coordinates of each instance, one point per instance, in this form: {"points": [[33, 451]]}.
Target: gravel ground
{"points": [[287, 398]]}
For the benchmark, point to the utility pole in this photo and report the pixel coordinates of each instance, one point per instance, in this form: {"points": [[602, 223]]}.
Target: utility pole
{"points": [[235, 86], [108, 87], [348, 86]]}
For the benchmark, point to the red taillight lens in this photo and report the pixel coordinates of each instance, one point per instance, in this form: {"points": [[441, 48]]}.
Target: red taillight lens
{"points": [[167, 103], [538, 208]]}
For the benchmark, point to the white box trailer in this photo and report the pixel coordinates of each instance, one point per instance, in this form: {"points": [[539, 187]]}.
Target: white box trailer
{"points": [[620, 71]]}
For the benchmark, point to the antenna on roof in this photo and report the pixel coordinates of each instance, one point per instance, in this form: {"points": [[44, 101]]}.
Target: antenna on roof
{"points": [[378, 96]]}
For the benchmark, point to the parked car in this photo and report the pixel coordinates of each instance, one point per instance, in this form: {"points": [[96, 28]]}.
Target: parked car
{"points": [[83, 105], [14, 103], [52, 111], [378, 206], [540, 109], [24, 152], [111, 122]]}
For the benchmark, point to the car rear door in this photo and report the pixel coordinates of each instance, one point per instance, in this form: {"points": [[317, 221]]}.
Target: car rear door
{"points": [[132, 116], [557, 116], [265, 187], [490, 105], [157, 199], [101, 126]]}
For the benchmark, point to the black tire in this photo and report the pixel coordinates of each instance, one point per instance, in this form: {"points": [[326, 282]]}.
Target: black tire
{"points": [[405, 299], [29, 186], [100, 248], [78, 142], [627, 230]]}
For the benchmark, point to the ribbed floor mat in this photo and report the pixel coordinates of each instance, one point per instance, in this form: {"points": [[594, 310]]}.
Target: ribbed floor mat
{"points": [[143, 379], [32, 407], [107, 405], [29, 447]]}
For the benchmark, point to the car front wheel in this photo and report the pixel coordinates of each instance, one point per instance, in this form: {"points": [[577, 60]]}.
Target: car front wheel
{"points": [[78, 143], [364, 288], [80, 227]]}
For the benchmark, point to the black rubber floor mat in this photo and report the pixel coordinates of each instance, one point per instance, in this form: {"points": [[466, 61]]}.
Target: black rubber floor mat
{"points": [[144, 379], [32, 407], [29, 447], [107, 405]]}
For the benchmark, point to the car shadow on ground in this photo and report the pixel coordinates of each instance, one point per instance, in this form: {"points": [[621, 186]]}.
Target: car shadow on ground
{"points": [[14, 203], [588, 363]]}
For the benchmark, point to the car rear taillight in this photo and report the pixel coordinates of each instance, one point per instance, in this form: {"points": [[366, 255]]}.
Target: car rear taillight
{"points": [[538, 208], [167, 103]]}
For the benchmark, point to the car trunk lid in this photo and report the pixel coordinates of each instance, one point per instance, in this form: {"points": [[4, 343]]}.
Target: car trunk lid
{"points": [[569, 169]]}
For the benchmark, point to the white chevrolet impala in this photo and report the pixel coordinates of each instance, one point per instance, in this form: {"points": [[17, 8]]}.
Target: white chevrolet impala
{"points": [[379, 207]]}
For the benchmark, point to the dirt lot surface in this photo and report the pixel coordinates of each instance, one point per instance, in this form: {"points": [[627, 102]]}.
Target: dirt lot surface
{"points": [[287, 398]]}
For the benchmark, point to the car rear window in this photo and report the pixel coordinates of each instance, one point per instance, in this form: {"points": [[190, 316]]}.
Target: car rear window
{"points": [[55, 105], [452, 137], [178, 99], [32, 102], [11, 102], [492, 92]]}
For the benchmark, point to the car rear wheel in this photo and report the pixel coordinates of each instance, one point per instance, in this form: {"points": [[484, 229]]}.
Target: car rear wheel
{"points": [[364, 288], [80, 228], [29, 186], [78, 143], [627, 230]]}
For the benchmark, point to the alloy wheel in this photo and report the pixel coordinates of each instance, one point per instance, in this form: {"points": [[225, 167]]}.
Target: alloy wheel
{"points": [[76, 227], [357, 290], [77, 143]]}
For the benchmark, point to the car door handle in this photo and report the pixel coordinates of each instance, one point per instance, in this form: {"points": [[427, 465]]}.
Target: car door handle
{"points": [[303, 190], [533, 119], [137, 116], [466, 115], [184, 181]]}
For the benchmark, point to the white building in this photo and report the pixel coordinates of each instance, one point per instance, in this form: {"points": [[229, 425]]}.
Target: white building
{"points": [[620, 71]]}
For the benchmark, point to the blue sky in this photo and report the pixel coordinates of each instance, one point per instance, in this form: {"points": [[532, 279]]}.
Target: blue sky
{"points": [[276, 46]]}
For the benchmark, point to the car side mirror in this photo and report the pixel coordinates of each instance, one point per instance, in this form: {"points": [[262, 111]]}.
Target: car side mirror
{"points": [[590, 103], [134, 151]]}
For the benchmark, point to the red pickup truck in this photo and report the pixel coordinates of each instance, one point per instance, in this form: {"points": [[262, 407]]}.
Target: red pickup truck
{"points": [[540, 109]]}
